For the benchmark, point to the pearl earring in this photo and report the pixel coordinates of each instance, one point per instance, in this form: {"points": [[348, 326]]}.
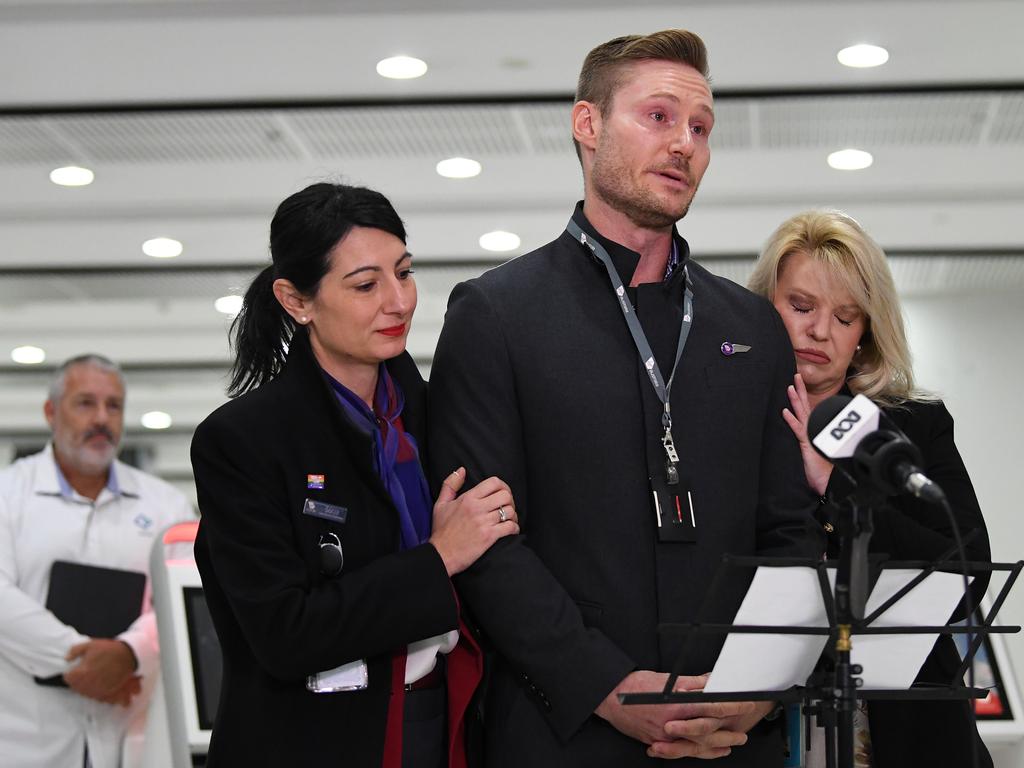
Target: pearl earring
{"points": [[305, 320]]}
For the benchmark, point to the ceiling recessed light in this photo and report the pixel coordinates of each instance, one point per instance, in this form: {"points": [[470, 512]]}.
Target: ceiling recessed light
{"points": [[458, 168], [162, 248], [863, 56], [850, 159], [28, 355], [229, 305], [156, 420], [499, 241], [72, 176], [401, 67]]}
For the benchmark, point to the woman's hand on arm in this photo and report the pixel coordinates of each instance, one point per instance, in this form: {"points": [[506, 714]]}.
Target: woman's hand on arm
{"points": [[465, 526], [817, 468]]}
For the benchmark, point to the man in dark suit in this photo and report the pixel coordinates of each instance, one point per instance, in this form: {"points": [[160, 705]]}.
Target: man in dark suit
{"points": [[640, 429]]}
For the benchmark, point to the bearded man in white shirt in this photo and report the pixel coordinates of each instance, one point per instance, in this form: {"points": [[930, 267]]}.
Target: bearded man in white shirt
{"points": [[73, 501]]}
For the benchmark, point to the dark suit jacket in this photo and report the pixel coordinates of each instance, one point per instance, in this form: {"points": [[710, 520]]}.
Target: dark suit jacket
{"points": [[537, 380], [910, 734], [278, 618]]}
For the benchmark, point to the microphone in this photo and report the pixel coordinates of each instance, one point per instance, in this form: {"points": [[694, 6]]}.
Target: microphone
{"points": [[847, 432]]}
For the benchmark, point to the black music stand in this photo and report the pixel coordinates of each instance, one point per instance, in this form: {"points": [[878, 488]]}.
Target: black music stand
{"points": [[831, 692]]}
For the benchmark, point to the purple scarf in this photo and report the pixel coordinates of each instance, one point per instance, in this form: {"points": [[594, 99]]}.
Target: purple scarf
{"points": [[396, 456]]}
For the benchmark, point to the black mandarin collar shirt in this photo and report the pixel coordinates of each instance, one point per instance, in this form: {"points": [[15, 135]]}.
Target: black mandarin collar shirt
{"points": [[659, 306]]}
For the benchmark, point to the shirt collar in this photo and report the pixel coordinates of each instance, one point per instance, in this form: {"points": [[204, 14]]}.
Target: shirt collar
{"points": [[58, 485], [624, 259]]}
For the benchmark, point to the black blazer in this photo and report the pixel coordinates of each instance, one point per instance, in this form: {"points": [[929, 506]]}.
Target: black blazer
{"points": [[925, 734], [278, 618], [537, 380]]}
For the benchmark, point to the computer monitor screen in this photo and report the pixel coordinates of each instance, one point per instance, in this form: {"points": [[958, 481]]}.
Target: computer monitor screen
{"points": [[207, 662], [987, 674]]}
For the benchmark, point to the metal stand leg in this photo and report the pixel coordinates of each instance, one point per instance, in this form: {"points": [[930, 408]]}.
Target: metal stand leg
{"points": [[829, 723], [846, 697]]}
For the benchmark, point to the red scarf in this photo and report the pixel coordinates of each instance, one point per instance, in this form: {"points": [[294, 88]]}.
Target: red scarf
{"points": [[463, 672]]}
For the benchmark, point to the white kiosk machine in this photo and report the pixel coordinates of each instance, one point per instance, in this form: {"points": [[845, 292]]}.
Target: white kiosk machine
{"points": [[183, 708]]}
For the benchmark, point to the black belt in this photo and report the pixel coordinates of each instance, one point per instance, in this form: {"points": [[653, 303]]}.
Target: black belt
{"points": [[433, 679]]}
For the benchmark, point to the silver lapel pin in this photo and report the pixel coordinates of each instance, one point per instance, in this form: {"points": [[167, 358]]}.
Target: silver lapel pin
{"points": [[729, 348]]}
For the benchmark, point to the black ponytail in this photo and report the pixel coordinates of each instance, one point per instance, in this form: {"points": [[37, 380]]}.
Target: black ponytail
{"points": [[304, 231], [259, 335]]}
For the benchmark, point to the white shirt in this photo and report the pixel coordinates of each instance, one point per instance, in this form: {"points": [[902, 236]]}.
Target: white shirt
{"points": [[41, 520]]}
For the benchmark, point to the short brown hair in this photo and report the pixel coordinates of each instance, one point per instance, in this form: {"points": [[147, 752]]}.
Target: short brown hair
{"points": [[602, 70]]}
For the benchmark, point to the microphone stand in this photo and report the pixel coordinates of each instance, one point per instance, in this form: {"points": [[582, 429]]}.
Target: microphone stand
{"points": [[832, 688], [851, 595]]}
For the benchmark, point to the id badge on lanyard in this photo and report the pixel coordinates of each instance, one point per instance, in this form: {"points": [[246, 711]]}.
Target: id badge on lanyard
{"points": [[673, 509], [671, 499]]}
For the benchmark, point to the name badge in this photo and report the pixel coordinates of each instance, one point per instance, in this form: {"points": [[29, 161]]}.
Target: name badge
{"points": [[324, 510], [674, 511]]}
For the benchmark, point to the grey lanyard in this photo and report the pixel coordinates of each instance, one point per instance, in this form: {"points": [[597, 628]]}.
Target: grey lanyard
{"points": [[661, 389]]}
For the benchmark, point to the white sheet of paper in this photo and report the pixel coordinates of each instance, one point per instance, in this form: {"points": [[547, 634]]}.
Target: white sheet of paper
{"points": [[348, 677], [893, 661], [791, 597], [777, 597], [420, 660], [421, 656]]}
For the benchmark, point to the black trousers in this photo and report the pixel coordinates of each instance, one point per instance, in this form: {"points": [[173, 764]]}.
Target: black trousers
{"points": [[425, 728]]}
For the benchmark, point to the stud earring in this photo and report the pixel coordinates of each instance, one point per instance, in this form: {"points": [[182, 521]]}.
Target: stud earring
{"points": [[305, 320], [858, 348]]}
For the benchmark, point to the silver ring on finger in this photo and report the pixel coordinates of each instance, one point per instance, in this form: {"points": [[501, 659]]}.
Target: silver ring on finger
{"points": [[502, 517]]}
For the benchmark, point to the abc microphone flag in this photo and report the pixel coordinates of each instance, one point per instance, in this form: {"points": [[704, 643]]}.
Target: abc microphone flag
{"points": [[847, 421], [856, 436]]}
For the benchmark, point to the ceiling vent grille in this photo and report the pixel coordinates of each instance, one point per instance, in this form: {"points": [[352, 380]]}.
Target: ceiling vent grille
{"points": [[191, 137], [516, 129], [900, 120], [118, 285], [734, 125], [547, 126], [918, 274], [1008, 127], [431, 131], [912, 273], [30, 140]]}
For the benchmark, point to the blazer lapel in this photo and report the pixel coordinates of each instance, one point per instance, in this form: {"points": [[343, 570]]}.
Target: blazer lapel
{"points": [[303, 379]]}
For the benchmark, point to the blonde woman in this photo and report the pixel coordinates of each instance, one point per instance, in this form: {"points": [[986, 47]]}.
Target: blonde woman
{"points": [[832, 286]]}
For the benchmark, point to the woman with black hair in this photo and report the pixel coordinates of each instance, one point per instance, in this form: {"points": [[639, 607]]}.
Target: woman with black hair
{"points": [[326, 565]]}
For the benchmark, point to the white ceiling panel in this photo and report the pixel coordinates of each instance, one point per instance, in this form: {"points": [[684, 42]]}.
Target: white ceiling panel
{"points": [[126, 52]]}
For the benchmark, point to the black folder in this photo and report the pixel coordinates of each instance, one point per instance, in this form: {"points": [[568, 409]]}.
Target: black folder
{"points": [[97, 601]]}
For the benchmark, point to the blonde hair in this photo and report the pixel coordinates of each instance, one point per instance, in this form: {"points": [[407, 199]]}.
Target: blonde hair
{"points": [[882, 370]]}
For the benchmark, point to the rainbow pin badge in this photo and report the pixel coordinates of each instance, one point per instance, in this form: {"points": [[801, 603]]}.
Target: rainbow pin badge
{"points": [[315, 482]]}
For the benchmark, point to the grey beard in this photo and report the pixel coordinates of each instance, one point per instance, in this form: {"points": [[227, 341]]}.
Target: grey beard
{"points": [[84, 460]]}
